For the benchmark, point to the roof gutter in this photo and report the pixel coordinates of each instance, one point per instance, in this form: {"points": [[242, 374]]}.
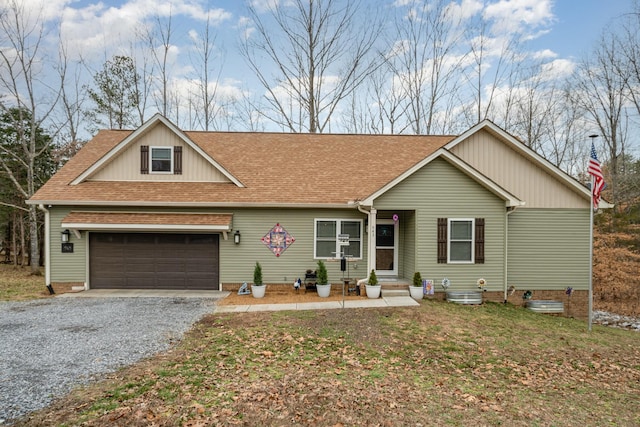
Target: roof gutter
{"points": [[47, 248], [192, 204], [510, 210]]}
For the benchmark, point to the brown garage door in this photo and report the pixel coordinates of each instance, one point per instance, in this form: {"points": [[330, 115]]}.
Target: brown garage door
{"points": [[153, 261]]}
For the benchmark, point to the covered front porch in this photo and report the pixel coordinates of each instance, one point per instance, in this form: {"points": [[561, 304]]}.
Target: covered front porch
{"points": [[392, 247]]}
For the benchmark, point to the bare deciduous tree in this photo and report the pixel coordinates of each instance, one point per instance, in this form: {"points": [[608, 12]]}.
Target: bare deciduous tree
{"points": [[31, 95], [603, 94], [159, 39], [425, 62], [495, 59], [207, 101], [319, 52]]}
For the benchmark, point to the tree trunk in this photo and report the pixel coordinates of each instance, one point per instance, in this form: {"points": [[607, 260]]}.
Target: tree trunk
{"points": [[35, 248], [23, 243], [14, 240]]}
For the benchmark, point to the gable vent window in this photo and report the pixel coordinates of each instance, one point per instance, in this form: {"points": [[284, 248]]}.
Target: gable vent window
{"points": [[460, 241]]}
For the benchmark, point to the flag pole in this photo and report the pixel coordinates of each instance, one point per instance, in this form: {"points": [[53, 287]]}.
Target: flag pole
{"points": [[591, 211]]}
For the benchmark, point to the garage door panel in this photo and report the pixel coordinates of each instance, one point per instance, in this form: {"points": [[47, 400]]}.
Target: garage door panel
{"points": [[154, 261]]}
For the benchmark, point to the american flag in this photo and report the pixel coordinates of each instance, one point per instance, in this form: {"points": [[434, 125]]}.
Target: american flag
{"points": [[595, 170]]}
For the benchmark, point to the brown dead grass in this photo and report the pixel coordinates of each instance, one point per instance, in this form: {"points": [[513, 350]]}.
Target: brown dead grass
{"points": [[18, 284]]}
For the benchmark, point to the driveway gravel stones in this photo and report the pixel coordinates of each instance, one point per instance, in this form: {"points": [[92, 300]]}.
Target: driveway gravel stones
{"points": [[50, 346]]}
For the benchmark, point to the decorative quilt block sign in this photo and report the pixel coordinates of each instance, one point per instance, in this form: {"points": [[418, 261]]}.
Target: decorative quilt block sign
{"points": [[278, 240]]}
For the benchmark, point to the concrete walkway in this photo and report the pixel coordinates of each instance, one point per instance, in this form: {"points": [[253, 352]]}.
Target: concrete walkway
{"points": [[403, 301], [393, 301]]}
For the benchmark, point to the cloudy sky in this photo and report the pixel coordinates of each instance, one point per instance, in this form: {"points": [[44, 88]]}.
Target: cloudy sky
{"points": [[566, 27], [561, 31]]}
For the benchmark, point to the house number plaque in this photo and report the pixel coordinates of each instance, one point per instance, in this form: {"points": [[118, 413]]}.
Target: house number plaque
{"points": [[67, 248]]}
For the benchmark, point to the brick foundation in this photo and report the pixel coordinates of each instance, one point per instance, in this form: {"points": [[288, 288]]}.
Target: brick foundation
{"points": [[575, 306]]}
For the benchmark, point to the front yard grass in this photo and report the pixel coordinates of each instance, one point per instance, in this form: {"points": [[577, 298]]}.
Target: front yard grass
{"points": [[438, 364], [17, 284]]}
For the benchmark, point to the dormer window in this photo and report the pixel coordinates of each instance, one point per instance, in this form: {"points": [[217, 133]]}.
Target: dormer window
{"points": [[161, 160]]}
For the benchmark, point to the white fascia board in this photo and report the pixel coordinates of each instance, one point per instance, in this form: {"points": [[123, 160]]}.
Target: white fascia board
{"points": [[509, 198], [527, 152], [141, 131]]}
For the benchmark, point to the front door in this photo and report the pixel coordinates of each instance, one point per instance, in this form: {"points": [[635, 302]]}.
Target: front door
{"points": [[387, 247]]}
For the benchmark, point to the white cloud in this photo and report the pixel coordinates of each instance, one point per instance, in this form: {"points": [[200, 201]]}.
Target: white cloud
{"points": [[264, 5], [544, 54], [98, 28], [557, 69], [464, 10], [516, 16]]}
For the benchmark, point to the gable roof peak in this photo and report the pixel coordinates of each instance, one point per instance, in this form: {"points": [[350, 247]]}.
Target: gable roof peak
{"points": [[155, 120]]}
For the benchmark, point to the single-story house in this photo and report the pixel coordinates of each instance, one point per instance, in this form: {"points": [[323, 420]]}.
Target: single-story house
{"points": [[159, 207]]}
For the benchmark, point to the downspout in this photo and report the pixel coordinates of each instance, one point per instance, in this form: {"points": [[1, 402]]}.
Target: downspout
{"points": [[47, 249], [510, 210], [371, 217]]}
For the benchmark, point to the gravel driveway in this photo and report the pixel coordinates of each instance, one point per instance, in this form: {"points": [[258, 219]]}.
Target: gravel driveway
{"points": [[49, 346]]}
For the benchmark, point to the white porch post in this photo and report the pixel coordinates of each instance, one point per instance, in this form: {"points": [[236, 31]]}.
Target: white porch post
{"points": [[373, 215]]}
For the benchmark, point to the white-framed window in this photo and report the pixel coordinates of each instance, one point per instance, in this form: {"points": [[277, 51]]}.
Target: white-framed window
{"points": [[326, 242], [161, 159], [461, 240]]}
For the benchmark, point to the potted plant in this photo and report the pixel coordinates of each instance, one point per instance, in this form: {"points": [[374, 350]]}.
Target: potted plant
{"points": [[372, 286], [415, 289], [258, 288], [323, 286]]}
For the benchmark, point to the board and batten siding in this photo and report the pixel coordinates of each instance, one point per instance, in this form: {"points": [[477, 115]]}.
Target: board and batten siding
{"points": [[439, 190], [236, 261], [126, 165], [549, 249], [517, 174]]}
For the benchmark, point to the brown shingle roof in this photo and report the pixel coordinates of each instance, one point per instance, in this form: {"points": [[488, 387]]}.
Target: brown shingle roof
{"points": [[276, 169], [140, 218]]}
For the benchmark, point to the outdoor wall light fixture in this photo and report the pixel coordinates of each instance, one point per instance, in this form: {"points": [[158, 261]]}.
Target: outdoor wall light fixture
{"points": [[236, 237], [65, 236]]}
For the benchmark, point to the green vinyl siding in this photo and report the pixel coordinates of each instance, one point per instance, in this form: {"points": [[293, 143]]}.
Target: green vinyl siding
{"points": [[439, 190], [236, 261], [66, 267], [548, 249]]}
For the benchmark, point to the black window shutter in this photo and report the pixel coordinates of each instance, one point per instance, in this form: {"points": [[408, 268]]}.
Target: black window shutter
{"points": [[177, 160], [479, 249], [144, 159], [442, 240]]}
